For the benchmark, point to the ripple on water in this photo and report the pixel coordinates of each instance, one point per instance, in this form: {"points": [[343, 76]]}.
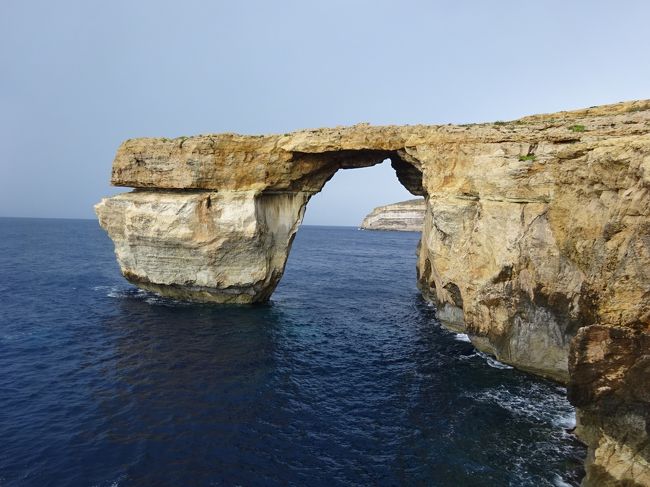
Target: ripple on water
{"points": [[345, 378]]}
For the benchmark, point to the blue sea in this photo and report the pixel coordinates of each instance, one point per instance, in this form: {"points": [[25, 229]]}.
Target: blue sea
{"points": [[344, 378]]}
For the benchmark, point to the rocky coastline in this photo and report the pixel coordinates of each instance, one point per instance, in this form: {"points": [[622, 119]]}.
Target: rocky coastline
{"points": [[535, 241]]}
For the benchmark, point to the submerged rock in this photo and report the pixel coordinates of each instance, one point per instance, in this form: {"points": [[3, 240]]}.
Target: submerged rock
{"points": [[536, 240], [405, 216]]}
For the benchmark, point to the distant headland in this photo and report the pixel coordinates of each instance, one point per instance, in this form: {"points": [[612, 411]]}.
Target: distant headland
{"points": [[404, 216]]}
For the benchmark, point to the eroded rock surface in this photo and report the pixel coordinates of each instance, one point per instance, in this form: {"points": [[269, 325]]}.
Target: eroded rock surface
{"points": [[405, 216], [228, 247], [610, 385], [536, 231]]}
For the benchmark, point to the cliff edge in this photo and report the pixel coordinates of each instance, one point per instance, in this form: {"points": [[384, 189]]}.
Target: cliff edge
{"points": [[405, 216]]}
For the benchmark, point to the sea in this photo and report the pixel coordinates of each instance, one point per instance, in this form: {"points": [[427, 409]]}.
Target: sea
{"points": [[345, 378]]}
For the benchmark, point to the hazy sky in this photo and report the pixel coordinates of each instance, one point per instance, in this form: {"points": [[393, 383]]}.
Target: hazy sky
{"points": [[78, 77]]}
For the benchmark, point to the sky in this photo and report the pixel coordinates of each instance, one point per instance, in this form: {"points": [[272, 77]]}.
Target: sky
{"points": [[79, 77]]}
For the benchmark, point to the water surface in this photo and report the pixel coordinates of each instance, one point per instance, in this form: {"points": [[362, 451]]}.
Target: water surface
{"points": [[345, 378]]}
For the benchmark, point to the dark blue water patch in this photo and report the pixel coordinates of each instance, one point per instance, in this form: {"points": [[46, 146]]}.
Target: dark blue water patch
{"points": [[345, 378]]}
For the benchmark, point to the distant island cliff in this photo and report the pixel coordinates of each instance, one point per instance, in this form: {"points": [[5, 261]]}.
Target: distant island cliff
{"points": [[405, 216]]}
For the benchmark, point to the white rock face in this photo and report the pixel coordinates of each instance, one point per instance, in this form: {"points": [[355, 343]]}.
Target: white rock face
{"points": [[227, 247], [405, 216]]}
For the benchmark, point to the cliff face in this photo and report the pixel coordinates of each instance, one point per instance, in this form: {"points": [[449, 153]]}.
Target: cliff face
{"points": [[225, 247], [405, 216], [610, 385], [536, 240], [521, 251]]}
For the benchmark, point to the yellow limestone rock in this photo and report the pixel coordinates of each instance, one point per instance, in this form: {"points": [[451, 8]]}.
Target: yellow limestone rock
{"points": [[536, 237]]}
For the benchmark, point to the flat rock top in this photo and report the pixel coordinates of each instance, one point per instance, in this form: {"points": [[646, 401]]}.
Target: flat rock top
{"points": [[276, 162], [416, 203], [614, 119]]}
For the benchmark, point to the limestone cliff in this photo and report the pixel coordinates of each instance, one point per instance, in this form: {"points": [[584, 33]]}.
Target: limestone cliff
{"points": [[405, 216], [536, 240]]}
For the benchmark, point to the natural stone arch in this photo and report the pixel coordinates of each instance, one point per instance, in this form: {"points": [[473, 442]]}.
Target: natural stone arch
{"points": [[535, 240], [223, 246]]}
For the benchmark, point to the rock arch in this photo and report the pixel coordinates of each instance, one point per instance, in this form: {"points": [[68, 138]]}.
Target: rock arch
{"points": [[220, 212], [536, 239]]}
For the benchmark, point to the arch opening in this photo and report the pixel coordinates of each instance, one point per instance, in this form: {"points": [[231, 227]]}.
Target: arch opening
{"points": [[350, 195], [318, 168]]}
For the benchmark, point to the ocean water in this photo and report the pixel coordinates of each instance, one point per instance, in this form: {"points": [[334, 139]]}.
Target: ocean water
{"points": [[345, 378]]}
